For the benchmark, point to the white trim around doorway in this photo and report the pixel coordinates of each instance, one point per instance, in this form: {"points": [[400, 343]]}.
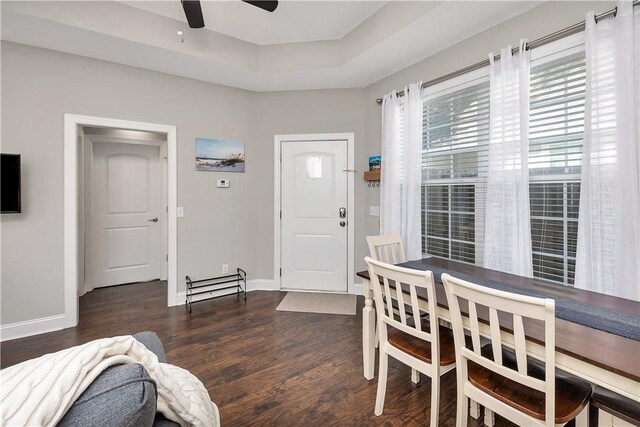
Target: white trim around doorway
{"points": [[277, 245], [71, 280]]}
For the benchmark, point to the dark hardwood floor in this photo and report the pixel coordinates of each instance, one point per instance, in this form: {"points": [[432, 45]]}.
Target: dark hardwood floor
{"points": [[260, 366]]}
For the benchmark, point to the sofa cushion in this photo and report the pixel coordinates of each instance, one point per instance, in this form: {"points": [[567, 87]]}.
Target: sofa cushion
{"points": [[122, 395], [152, 342]]}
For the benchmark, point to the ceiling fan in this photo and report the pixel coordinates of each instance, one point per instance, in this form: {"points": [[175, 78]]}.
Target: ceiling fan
{"points": [[193, 10]]}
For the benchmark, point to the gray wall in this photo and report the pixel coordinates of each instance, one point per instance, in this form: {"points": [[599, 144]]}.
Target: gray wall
{"points": [[323, 111], [233, 226], [220, 226], [545, 19], [38, 87]]}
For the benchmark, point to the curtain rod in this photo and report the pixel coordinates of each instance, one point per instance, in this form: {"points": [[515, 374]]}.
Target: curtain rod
{"points": [[573, 29]]}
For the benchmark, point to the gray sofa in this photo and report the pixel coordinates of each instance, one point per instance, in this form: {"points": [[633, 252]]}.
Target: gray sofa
{"points": [[121, 396]]}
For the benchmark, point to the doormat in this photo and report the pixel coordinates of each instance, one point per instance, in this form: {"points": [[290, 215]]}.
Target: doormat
{"points": [[310, 302]]}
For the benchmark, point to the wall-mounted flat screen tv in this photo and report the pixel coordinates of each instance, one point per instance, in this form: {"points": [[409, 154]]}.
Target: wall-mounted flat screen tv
{"points": [[10, 196]]}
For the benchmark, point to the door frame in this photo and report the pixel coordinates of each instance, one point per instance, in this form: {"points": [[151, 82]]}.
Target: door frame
{"points": [[277, 199], [72, 123], [90, 141]]}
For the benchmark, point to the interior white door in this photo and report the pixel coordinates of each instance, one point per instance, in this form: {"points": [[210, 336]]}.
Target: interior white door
{"points": [[126, 207], [314, 221]]}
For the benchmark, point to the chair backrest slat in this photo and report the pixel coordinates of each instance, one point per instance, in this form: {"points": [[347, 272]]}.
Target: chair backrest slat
{"points": [[520, 344], [512, 306], [415, 308], [392, 254], [387, 297], [496, 339], [473, 323], [401, 305]]}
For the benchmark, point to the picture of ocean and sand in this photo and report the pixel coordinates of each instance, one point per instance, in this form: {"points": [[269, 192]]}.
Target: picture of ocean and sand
{"points": [[219, 155]]}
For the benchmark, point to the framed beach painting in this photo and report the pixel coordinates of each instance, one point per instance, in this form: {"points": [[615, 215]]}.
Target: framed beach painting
{"points": [[218, 155]]}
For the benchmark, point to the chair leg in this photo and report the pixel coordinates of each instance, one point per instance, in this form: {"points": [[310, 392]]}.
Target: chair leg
{"points": [[593, 415], [475, 409], [489, 417], [415, 376], [377, 339], [382, 383], [462, 408], [435, 399]]}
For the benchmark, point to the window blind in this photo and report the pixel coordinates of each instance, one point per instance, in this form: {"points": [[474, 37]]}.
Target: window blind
{"points": [[556, 118], [454, 163], [556, 126], [454, 167]]}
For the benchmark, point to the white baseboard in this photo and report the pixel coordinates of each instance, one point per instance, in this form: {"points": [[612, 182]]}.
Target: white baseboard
{"points": [[27, 328], [269, 285], [261, 285]]}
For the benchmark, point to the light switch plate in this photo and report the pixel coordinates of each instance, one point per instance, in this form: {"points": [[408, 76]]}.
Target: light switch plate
{"points": [[374, 210], [180, 212], [223, 183]]}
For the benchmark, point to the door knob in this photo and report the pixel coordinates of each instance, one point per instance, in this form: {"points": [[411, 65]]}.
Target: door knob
{"points": [[342, 223], [154, 219], [342, 212]]}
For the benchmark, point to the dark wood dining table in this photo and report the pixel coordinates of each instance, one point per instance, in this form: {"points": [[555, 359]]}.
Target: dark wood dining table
{"points": [[603, 358]]}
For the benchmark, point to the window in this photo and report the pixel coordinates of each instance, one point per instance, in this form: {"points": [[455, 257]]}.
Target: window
{"points": [[454, 165], [454, 162], [556, 126]]}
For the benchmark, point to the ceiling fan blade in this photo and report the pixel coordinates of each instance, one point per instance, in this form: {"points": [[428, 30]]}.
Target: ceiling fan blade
{"points": [[193, 12], [269, 6]]}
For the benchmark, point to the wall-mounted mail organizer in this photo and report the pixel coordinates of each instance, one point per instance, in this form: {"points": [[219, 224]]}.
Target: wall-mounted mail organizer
{"points": [[372, 178], [214, 287]]}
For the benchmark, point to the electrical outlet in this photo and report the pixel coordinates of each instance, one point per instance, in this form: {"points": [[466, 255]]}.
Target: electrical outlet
{"points": [[225, 268], [180, 212], [374, 210]]}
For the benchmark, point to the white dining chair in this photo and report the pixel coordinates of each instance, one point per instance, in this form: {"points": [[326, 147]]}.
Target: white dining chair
{"points": [[419, 342], [499, 375], [388, 248]]}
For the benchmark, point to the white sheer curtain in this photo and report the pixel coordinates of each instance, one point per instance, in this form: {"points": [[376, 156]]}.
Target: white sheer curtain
{"points": [[608, 252], [400, 197], [507, 219], [412, 172], [391, 166]]}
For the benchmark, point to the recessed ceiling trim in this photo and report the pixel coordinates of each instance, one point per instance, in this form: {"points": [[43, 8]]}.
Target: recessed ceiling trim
{"points": [[113, 31]]}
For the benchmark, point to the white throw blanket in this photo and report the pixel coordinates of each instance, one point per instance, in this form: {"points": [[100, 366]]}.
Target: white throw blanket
{"points": [[39, 392]]}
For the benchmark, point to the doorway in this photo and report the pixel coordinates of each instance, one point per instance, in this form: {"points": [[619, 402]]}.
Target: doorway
{"points": [[123, 254], [125, 219], [314, 212]]}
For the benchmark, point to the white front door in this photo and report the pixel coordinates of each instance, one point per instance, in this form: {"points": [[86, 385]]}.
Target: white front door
{"points": [[126, 212], [314, 235]]}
